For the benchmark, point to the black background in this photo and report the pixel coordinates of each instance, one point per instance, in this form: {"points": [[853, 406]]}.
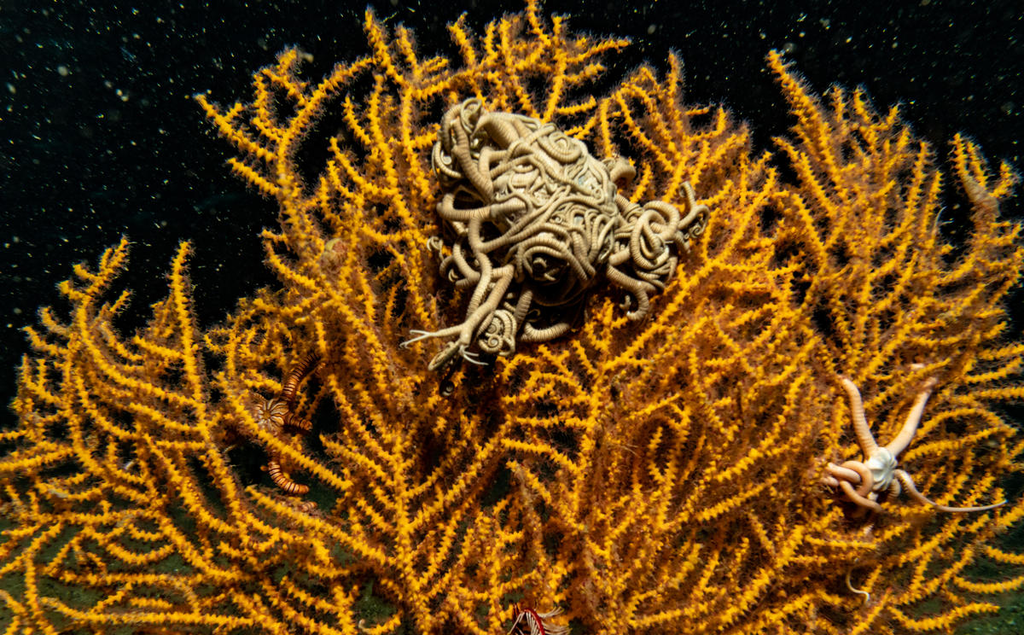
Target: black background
{"points": [[101, 136]]}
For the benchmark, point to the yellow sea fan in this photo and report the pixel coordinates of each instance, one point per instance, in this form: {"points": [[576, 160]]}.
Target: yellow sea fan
{"points": [[655, 477]]}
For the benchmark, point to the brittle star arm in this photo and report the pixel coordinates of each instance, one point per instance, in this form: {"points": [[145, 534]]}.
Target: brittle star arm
{"points": [[844, 475], [902, 441], [857, 498], [908, 484], [865, 439], [906, 435], [858, 472]]}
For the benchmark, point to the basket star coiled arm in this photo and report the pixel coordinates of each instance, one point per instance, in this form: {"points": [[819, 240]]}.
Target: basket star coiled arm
{"points": [[863, 481], [535, 220]]}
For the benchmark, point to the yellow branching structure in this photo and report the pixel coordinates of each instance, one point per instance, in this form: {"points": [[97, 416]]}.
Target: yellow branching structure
{"points": [[662, 476]]}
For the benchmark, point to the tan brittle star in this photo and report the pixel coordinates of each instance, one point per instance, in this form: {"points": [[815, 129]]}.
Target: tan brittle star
{"points": [[863, 481]]}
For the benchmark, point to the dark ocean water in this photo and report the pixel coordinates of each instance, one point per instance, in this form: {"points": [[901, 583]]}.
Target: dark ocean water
{"points": [[101, 136]]}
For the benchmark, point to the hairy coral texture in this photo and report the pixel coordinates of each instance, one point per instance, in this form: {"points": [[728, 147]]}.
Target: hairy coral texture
{"points": [[661, 476]]}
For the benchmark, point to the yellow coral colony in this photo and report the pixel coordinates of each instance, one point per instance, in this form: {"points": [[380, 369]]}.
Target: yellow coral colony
{"points": [[660, 476]]}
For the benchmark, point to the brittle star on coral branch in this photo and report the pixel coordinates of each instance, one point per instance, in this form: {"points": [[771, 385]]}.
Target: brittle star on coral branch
{"points": [[863, 481], [277, 415]]}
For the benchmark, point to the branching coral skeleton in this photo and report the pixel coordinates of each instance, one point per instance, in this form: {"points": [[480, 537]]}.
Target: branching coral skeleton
{"points": [[863, 481], [536, 219]]}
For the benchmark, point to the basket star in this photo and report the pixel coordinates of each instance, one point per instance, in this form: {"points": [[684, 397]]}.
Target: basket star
{"points": [[863, 481]]}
